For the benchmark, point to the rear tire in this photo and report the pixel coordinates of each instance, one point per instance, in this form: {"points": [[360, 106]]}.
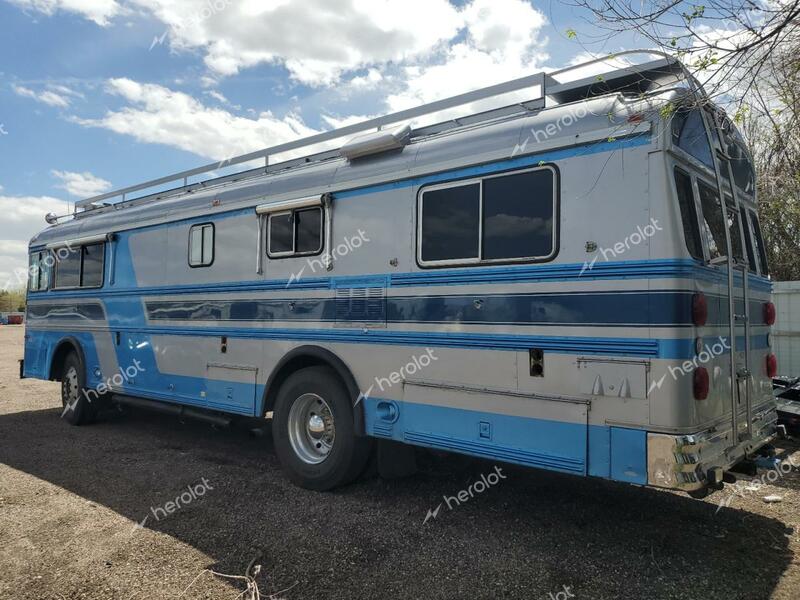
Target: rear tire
{"points": [[314, 433], [78, 410]]}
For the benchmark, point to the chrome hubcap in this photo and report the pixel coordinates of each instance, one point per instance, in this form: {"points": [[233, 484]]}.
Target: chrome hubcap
{"points": [[311, 428], [71, 386]]}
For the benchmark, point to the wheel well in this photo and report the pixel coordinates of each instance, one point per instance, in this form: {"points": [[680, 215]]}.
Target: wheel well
{"points": [[63, 349], [311, 356]]}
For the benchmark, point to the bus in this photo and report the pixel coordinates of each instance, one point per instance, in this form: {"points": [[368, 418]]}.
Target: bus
{"points": [[564, 271]]}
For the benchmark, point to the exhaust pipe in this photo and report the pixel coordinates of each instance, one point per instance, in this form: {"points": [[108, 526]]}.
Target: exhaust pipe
{"points": [[172, 409]]}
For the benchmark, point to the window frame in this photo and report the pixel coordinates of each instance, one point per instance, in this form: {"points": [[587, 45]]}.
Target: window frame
{"points": [[479, 261], [202, 265], [80, 286], [293, 253]]}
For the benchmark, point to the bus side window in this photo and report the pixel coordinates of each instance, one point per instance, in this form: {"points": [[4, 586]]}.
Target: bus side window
{"points": [[691, 228], [201, 245], [295, 233], [68, 267], [499, 218], [39, 271]]}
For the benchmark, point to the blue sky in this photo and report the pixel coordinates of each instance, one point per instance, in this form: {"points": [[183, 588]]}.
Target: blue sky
{"points": [[97, 94]]}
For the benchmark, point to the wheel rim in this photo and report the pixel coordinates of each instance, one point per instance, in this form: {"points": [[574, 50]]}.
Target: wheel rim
{"points": [[70, 387], [311, 428]]}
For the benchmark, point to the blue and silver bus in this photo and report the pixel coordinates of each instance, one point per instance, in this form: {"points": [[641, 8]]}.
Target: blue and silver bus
{"points": [[575, 280]]}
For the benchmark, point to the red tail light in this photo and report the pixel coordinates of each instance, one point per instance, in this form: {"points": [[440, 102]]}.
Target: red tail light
{"points": [[701, 383], [699, 309], [772, 365], [769, 313]]}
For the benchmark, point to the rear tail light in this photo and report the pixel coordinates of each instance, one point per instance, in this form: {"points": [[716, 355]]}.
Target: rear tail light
{"points": [[699, 309], [700, 383], [769, 313], [772, 365]]}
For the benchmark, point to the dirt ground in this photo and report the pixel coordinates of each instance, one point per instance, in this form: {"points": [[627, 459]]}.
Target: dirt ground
{"points": [[85, 514]]}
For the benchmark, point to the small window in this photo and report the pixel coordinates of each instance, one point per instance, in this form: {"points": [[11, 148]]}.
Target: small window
{"points": [[759, 244], [68, 267], [496, 219], [295, 233], [201, 245], [691, 231], [713, 225], [39, 271]]}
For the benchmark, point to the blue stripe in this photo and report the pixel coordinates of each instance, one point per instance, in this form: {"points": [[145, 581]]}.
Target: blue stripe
{"points": [[621, 270]]}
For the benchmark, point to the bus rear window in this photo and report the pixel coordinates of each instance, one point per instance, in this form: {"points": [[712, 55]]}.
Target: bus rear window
{"points": [[712, 223], [683, 183], [759, 243], [689, 134], [735, 230], [748, 243]]}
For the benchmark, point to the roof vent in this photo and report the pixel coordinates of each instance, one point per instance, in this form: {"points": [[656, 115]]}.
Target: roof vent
{"points": [[376, 142]]}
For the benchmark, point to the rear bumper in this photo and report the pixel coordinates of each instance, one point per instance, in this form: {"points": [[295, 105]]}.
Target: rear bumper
{"points": [[683, 462]]}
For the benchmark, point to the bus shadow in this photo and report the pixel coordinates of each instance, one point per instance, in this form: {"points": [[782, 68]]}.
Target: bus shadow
{"points": [[521, 534]]}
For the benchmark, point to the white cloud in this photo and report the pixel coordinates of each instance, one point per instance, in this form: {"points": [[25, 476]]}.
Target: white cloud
{"points": [[159, 115], [316, 40], [503, 41], [82, 185], [99, 11], [48, 97], [23, 217]]}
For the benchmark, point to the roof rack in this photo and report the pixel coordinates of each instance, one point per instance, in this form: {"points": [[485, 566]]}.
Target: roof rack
{"points": [[553, 85]]}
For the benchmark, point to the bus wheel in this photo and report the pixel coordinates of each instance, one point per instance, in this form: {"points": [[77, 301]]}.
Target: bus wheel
{"points": [[313, 431], [78, 410]]}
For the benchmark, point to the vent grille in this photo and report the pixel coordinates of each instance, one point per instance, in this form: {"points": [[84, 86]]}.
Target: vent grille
{"points": [[361, 305]]}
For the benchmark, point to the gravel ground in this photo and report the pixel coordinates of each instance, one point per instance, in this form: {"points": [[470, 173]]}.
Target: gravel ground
{"points": [[71, 499]]}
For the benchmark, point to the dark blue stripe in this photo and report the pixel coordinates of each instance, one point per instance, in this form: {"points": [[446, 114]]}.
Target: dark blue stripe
{"points": [[602, 309], [606, 309], [66, 310]]}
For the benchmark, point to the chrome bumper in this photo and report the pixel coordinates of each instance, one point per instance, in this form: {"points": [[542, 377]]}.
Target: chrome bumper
{"points": [[683, 462]]}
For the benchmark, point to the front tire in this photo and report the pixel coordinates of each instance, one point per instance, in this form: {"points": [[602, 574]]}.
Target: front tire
{"points": [[314, 433], [78, 410]]}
